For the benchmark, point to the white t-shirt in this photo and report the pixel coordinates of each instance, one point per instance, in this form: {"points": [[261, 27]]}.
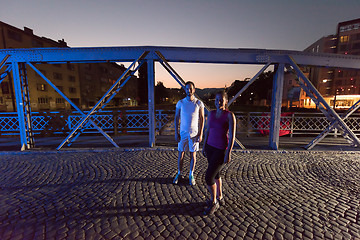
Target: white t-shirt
{"points": [[189, 115]]}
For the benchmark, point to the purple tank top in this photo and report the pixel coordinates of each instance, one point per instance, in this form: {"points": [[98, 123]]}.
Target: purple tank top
{"points": [[218, 130]]}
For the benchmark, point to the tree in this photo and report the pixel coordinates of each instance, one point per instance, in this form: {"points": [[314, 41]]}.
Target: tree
{"points": [[258, 90], [161, 93], [143, 85]]}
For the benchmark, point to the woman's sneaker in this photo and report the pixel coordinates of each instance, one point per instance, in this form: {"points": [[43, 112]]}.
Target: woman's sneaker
{"points": [[212, 208], [220, 201]]}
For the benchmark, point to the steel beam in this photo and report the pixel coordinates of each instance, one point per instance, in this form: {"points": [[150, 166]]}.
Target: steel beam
{"points": [[278, 85], [2, 63], [151, 101], [180, 54], [19, 105]]}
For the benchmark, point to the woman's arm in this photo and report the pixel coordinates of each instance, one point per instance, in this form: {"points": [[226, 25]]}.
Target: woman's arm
{"points": [[232, 129], [206, 134]]}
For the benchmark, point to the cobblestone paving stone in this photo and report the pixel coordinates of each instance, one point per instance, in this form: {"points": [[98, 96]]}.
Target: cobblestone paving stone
{"points": [[128, 194]]}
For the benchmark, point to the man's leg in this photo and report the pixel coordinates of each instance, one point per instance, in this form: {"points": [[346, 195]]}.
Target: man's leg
{"points": [[180, 165], [192, 167], [180, 161]]}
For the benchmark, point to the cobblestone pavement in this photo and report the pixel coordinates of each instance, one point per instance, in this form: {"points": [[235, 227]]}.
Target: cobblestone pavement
{"points": [[128, 194]]}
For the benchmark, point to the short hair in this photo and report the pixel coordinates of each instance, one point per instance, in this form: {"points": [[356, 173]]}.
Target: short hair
{"points": [[191, 83]]}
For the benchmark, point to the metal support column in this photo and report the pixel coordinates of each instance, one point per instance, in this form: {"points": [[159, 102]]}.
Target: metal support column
{"points": [[278, 84], [151, 101], [27, 107], [19, 105]]}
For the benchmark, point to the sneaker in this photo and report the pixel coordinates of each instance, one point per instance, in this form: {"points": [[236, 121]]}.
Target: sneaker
{"points": [[192, 180], [212, 208], [177, 177], [220, 201]]}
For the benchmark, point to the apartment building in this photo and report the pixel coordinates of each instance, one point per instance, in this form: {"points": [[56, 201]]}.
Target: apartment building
{"points": [[346, 85], [83, 83], [97, 78], [42, 95], [339, 87]]}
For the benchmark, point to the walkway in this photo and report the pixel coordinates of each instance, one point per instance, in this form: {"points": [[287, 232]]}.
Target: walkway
{"points": [[128, 194]]}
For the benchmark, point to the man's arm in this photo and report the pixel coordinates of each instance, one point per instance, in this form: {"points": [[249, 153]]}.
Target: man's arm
{"points": [[176, 123], [201, 123]]}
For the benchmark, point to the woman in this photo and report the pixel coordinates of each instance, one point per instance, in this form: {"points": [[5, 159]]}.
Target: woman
{"points": [[218, 143]]}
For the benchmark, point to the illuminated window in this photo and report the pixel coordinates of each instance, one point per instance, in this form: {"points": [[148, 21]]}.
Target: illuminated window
{"points": [[41, 87], [344, 38]]}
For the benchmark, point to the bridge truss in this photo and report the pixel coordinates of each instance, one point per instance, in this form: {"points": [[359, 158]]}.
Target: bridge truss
{"points": [[16, 61]]}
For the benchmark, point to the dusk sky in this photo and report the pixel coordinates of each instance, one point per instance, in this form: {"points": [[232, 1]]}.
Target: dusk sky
{"points": [[275, 24]]}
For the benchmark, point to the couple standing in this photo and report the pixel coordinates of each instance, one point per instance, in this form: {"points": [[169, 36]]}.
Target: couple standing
{"points": [[218, 140]]}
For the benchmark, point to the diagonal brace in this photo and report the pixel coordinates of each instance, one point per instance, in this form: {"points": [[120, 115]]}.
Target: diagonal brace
{"points": [[325, 108], [332, 126], [102, 102], [71, 103]]}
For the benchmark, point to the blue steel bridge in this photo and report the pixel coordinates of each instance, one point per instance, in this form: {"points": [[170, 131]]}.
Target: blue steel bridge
{"points": [[16, 61]]}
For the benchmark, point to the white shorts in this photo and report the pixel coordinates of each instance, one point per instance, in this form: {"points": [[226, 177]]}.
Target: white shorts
{"points": [[188, 143]]}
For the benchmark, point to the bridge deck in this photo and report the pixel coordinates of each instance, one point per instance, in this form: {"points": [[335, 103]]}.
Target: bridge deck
{"points": [[122, 194]]}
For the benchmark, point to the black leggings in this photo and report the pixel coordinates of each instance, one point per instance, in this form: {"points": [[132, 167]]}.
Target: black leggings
{"points": [[215, 158]]}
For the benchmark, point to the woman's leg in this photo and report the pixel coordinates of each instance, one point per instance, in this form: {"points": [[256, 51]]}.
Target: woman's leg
{"points": [[215, 160], [218, 183]]}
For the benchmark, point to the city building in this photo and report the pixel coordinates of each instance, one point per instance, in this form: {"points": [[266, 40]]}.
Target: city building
{"points": [[83, 83], [346, 86], [339, 87], [97, 78], [42, 95]]}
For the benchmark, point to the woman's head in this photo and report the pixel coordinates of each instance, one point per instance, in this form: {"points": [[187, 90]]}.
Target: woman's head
{"points": [[221, 100]]}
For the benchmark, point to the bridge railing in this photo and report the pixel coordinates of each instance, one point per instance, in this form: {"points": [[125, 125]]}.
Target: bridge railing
{"points": [[136, 121], [112, 122]]}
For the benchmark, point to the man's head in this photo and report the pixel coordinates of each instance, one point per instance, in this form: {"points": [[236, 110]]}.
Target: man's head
{"points": [[189, 89]]}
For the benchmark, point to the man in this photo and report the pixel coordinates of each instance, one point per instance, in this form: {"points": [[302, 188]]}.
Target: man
{"points": [[190, 113]]}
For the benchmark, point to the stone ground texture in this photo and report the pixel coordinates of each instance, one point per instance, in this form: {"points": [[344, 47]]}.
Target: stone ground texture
{"points": [[128, 194]]}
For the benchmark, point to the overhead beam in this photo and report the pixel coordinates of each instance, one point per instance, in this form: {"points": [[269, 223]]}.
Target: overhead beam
{"points": [[179, 54]]}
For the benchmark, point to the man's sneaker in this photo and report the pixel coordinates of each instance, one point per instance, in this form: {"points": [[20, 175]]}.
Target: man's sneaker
{"points": [[177, 177], [192, 180], [212, 208]]}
